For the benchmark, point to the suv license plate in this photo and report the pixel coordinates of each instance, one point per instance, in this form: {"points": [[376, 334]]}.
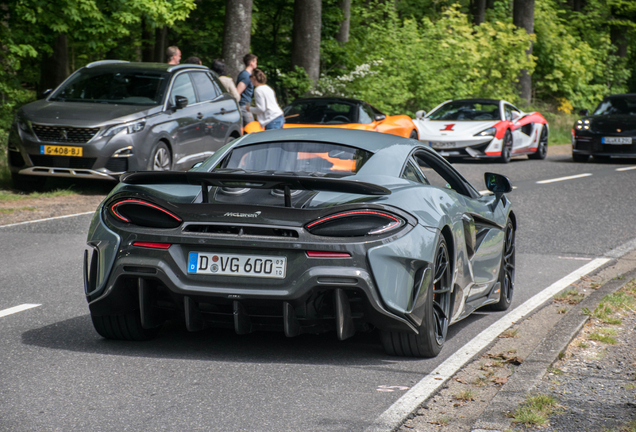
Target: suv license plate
{"points": [[61, 150], [616, 140], [264, 266]]}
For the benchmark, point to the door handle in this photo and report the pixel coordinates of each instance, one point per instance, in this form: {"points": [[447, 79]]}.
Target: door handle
{"points": [[223, 111], [200, 116]]}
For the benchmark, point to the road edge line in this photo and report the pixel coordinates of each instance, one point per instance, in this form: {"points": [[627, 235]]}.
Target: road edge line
{"points": [[46, 219], [395, 415], [16, 309]]}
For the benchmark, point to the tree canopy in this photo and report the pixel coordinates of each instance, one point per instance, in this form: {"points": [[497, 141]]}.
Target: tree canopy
{"points": [[400, 55]]}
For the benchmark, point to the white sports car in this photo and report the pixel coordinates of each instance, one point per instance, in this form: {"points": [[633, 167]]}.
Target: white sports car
{"points": [[483, 128]]}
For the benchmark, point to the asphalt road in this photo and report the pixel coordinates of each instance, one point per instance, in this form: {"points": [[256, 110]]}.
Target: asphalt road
{"points": [[56, 373]]}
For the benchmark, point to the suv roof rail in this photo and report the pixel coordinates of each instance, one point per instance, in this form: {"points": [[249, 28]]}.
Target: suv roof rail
{"points": [[103, 62], [187, 65]]}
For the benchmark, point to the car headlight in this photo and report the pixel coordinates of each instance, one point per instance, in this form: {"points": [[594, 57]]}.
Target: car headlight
{"points": [[131, 128], [491, 131], [582, 124], [22, 123], [355, 223]]}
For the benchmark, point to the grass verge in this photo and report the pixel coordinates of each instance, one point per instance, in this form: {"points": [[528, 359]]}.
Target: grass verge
{"points": [[535, 411]]}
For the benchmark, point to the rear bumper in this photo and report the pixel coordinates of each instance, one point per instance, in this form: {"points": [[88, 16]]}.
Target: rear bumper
{"points": [[592, 146]]}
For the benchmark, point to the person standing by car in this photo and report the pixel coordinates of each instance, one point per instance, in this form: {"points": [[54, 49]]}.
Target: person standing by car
{"points": [[218, 66], [267, 111], [173, 55], [245, 88]]}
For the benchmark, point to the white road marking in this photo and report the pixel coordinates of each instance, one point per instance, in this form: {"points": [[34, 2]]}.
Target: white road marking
{"points": [[576, 258], [395, 415], [564, 178], [16, 309], [626, 168], [47, 219]]}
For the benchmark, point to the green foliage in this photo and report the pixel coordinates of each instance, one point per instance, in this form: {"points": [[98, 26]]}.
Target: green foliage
{"points": [[295, 83], [403, 66], [574, 62]]}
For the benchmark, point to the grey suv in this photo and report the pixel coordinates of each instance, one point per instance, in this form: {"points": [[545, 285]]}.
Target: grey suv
{"points": [[114, 116]]}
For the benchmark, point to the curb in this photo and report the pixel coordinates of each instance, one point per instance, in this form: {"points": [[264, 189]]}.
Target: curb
{"points": [[532, 370]]}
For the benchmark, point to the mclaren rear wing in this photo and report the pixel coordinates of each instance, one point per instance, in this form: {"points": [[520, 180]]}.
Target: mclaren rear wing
{"points": [[285, 182]]}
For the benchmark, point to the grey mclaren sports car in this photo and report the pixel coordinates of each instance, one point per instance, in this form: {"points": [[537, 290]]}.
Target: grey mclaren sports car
{"points": [[303, 231]]}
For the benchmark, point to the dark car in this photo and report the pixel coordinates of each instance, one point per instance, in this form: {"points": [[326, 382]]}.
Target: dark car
{"points": [[113, 116], [609, 131], [303, 231]]}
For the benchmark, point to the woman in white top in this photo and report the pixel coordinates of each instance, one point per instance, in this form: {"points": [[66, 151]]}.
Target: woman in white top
{"points": [[267, 111]]}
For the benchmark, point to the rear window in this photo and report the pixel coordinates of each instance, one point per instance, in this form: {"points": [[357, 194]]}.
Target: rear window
{"points": [[116, 87], [320, 112], [625, 105], [298, 157]]}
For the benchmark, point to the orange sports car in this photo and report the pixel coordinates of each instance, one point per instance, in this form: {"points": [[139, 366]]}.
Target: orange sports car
{"points": [[338, 112]]}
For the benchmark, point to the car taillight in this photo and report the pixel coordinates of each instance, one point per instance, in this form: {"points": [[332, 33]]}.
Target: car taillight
{"points": [[355, 223], [144, 214]]}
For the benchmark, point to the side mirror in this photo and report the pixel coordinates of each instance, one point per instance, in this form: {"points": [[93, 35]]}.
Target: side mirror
{"points": [[180, 102], [379, 117], [497, 183], [420, 114], [584, 112], [46, 92]]}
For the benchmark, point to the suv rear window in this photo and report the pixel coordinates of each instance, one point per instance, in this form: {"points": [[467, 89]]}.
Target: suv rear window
{"points": [[111, 86], [298, 157]]}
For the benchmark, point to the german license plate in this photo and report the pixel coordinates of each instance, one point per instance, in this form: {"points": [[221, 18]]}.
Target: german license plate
{"points": [[616, 140], [61, 150], [264, 266], [441, 144]]}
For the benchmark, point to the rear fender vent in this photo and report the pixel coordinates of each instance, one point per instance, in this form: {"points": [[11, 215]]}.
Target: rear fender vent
{"points": [[241, 230]]}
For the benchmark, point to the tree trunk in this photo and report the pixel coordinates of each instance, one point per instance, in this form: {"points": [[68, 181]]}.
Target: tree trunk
{"points": [[619, 40], [147, 42], [237, 35], [161, 36], [523, 17], [306, 37], [343, 33], [576, 5], [479, 11], [55, 68]]}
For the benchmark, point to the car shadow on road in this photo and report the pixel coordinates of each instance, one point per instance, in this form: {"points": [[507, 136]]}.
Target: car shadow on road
{"points": [[175, 342]]}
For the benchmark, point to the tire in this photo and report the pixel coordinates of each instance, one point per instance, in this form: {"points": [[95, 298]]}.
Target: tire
{"points": [[28, 183], [506, 271], [542, 149], [414, 135], [160, 159], [576, 157], [123, 327], [432, 332], [506, 149]]}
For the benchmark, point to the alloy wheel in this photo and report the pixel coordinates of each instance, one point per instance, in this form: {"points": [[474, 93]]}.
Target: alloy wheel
{"points": [[509, 264], [161, 160], [441, 293]]}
